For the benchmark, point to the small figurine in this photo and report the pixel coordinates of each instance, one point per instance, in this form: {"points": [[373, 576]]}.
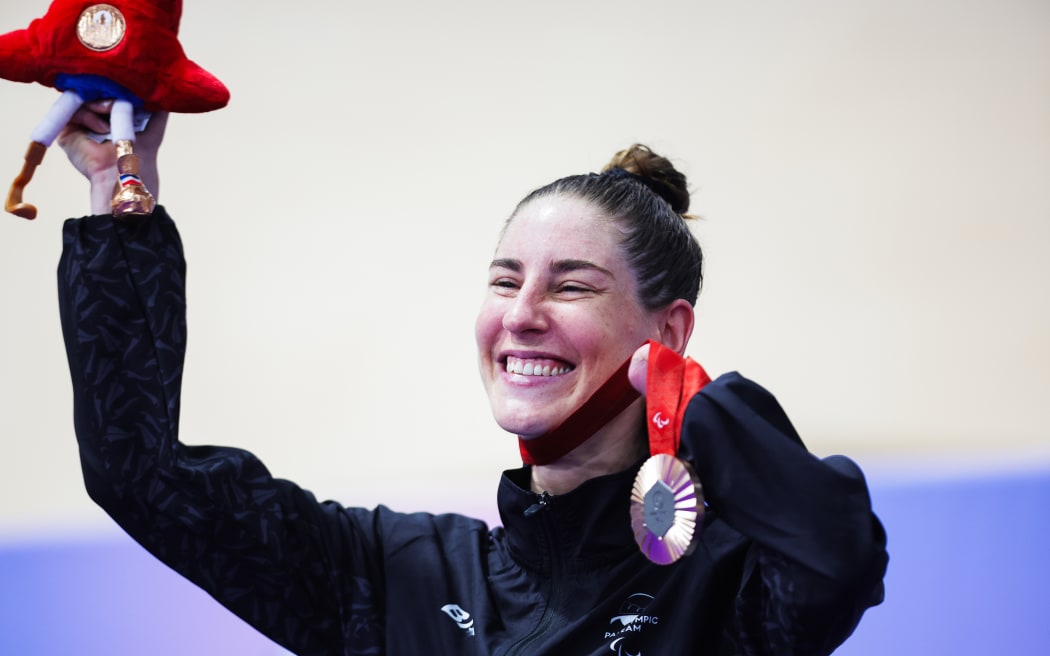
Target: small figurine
{"points": [[128, 51]]}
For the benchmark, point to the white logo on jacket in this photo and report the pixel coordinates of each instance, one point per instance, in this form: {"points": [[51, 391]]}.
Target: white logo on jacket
{"points": [[629, 623], [461, 617]]}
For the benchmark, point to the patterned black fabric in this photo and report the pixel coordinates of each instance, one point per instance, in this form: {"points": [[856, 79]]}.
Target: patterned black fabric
{"points": [[260, 546], [818, 553], [319, 578]]}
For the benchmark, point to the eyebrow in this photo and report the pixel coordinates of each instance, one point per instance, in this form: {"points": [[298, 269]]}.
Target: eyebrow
{"points": [[557, 266]]}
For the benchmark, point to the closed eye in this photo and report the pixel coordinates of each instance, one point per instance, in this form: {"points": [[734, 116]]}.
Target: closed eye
{"points": [[574, 289], [504, 284]]}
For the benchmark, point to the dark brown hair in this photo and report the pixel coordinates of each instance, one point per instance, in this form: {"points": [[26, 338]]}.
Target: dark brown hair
{"points": [[648, 199]]}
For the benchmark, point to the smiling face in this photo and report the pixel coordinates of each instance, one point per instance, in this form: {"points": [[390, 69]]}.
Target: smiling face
{"points": [[560, 316]]}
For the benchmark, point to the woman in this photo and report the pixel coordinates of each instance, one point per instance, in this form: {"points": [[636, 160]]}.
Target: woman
{"points": [[587, 270]]}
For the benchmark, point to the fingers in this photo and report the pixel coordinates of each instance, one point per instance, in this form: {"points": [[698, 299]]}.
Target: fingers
{"points": [[93, 116], [93, 160], [638, 371], [100, 106], [70, 137]]}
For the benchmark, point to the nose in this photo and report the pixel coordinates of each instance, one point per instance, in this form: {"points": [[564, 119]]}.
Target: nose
{"points": [[526, 313]]}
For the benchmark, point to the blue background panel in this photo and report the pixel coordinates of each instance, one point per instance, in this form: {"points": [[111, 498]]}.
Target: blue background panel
{"points": [[968, 572]]}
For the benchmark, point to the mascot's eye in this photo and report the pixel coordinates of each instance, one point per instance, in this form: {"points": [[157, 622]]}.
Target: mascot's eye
{"points": [[101, 27]]}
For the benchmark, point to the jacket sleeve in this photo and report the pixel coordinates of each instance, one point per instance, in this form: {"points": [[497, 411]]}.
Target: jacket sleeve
{"points": [[818, 552], [263, 547]]}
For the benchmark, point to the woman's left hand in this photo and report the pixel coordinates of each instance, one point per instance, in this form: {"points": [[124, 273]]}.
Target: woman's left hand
{"points": [[638, 371]]}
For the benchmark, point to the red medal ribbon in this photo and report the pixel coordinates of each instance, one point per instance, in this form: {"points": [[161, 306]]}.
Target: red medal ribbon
{"points": [[671, 382], [667, 500], [609, 400]]}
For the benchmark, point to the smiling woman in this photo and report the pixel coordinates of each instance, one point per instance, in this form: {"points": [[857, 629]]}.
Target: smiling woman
{"points": [[561, 296], [588, 270]]}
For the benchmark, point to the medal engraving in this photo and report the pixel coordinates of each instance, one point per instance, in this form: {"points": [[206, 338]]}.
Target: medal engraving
{"points": [[101, 27], [667, 506], [659, 509]]}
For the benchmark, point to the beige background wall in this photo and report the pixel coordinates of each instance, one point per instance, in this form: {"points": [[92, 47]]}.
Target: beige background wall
{"points": [[874, 179]]}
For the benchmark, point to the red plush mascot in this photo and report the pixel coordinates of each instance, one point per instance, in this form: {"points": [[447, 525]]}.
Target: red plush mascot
{"points": [[128, 51]]}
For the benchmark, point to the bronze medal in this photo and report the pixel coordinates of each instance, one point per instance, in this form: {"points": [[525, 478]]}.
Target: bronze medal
{"points": [[667, 500], [667, 505]]}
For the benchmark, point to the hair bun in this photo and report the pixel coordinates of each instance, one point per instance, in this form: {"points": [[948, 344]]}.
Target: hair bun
{"points": [[659, 174]]}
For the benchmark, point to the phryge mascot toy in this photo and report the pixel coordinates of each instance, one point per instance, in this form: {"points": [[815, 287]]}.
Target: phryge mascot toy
{"points": [[127, 50]]}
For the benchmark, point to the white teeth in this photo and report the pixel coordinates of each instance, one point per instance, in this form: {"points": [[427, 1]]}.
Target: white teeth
{"points": [[519, 366]]}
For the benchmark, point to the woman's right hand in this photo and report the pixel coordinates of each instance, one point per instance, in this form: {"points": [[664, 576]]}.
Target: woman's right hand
{"points": [[98, 161]]}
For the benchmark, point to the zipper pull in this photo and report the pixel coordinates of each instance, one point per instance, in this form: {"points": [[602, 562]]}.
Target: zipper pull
{"points": [[545, 499]]}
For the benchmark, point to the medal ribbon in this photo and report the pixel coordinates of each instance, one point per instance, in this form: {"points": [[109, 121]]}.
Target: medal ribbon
{"points": [[671, 382], [609, 400]]}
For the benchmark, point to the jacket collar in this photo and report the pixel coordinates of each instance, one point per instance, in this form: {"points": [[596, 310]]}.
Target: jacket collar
{"points": [[584, 529]]}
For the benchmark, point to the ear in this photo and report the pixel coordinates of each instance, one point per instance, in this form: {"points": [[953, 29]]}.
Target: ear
{"points": [[676, 325]]}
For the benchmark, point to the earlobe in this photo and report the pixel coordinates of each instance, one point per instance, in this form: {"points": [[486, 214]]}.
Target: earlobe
{"points": [[676, 325]]}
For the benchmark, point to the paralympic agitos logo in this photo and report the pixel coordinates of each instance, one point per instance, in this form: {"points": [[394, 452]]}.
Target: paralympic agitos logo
{"points": [[626, 627]]}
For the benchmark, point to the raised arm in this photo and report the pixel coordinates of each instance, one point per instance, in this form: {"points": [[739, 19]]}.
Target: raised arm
{"points": [[302, 572]]}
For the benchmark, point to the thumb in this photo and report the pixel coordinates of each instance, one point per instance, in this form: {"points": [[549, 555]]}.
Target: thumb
{"points": [[638, 371]]}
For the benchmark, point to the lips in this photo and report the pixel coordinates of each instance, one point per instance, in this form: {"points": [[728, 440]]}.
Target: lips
{"points": [[547, 367]]}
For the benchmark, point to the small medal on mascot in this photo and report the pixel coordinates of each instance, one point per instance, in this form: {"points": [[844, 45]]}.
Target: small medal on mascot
{"points": [[124, 50]]}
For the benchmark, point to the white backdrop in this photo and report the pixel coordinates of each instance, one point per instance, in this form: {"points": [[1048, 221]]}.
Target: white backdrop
{"points": [[874, 178]]}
